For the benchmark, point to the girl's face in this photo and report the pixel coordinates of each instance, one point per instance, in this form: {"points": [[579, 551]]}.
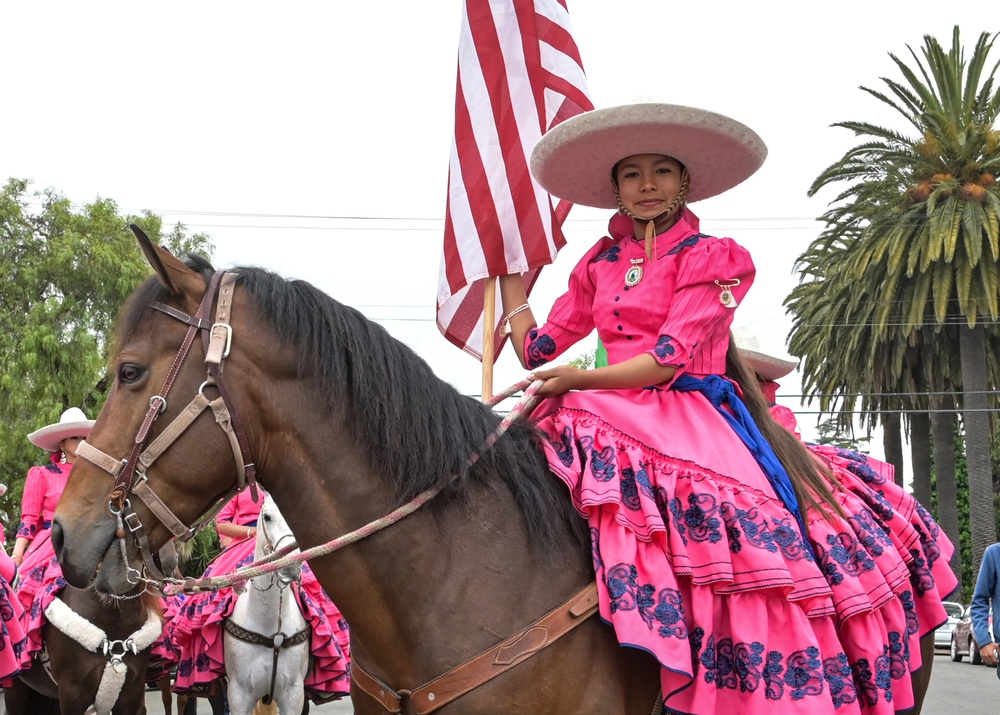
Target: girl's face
{"points": [[648, 183], [68, 446]]}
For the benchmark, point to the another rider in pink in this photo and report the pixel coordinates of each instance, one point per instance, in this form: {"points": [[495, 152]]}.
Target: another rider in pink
{"points": [[12, 638], [195, 633], [39, 574], [761, 582]]}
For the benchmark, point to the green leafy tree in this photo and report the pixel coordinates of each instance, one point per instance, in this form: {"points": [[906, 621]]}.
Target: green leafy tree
{"points": [[65, 271], [926, 208]]}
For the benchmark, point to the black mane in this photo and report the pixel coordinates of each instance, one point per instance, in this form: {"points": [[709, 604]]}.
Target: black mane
{"points": [[418, 430]]}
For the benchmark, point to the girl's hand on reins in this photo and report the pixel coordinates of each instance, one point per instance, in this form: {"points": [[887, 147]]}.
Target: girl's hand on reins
{"points": [[559, 380]]}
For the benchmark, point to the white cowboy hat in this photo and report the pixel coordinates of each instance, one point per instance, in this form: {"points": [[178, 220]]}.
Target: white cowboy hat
{"points": [[72, 423], [574, 160], [769, 367]]}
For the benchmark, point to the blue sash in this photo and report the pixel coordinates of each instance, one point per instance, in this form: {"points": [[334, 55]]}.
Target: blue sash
{"points": [[719, 392]]}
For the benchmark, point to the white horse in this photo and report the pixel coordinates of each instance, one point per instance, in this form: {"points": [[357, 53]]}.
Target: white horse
{"points": [[266, 640]]}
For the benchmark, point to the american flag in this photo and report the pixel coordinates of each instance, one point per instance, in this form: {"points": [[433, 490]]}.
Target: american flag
{"points": [[519, 75]]}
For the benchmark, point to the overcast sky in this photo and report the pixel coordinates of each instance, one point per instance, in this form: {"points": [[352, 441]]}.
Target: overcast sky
{"points": [[312, 138]]}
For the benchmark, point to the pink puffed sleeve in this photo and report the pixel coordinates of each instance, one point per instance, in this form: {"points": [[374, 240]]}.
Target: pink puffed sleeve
{"points": [[786, 418], [31, 503], [698, 321], [572, 316]]}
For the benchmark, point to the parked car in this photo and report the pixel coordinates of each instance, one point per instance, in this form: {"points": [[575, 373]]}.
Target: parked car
{"points": [[963, 638], [942, 636]]}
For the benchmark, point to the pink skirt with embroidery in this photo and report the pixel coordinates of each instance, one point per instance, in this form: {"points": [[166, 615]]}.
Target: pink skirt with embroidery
{"points": [[13, 640], [39, 579], [700, 564], [195, 634]]}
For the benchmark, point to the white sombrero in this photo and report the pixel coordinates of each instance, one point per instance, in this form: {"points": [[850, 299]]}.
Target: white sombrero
{"points": [[769, 367], [573, 161], [72, 423]]}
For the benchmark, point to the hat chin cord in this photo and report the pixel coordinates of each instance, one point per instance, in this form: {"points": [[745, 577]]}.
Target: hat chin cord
{"points": [[675, 206]]}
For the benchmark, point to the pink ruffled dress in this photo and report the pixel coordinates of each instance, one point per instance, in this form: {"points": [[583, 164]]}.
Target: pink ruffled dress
{"points": [[698, 560], [194, 635], [39, 575], [12, 637]]}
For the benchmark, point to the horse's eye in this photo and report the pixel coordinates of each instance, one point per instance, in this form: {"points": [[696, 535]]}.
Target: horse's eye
{"points": [[129, 373], [267, 517]]}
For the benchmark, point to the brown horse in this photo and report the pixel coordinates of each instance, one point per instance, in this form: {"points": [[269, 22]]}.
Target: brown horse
{"points": [[76, 671], [345, 424]]}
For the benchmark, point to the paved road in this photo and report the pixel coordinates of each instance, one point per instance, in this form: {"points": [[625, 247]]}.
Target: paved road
{"points": [[962, 688], [958, 688]]}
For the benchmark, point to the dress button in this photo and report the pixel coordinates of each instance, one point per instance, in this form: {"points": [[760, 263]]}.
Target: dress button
{"points": [[619, 327], [628, 337], [616, 298], [616, 313]]}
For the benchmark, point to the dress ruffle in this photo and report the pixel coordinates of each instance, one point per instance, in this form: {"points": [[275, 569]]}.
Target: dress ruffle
{"points": [[39, 579], [700, 564], [194, 636], [13, 640]]}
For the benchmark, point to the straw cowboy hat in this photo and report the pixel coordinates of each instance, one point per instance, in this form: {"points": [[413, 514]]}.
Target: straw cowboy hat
{"points": [[72, 423], [769, 367], [574, 160]]}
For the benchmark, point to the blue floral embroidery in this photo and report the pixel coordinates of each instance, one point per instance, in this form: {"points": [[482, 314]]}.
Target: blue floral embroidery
{"points": [[602, 464], [837, 673], [686, 243], [733, 665], [595, 549], [774, 687], [663, 347], [609, 254], [540, 349], [920, 576], [564, 446], [870, 534], [803, 675], [896, 651], [669, 613], [632, 484], [698, 520], [864, 683], [695, 638], [912, 622]]}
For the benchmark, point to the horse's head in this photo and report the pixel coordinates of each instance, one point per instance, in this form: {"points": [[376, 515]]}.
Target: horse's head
{"points": [[273, 533], [156, 458]]}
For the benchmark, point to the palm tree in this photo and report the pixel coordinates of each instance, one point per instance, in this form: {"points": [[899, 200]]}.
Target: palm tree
{"points": [[927, 208]]}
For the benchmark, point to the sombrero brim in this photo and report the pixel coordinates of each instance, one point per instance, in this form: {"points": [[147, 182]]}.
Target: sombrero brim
{"points": [[768, 366], [49, 437], [573, 161]]}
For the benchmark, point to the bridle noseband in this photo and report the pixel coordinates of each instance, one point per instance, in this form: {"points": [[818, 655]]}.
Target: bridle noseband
{"points": [[130, 473]]}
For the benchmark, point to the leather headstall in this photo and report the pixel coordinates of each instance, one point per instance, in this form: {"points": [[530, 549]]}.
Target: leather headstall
{"points": [[130, 473]]}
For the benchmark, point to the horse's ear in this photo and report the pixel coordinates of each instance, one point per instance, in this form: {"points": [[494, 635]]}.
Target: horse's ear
{"points": [[171, 272]]}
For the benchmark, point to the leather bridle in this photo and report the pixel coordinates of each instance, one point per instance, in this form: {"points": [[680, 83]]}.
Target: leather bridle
{"points": [[129, 473]]}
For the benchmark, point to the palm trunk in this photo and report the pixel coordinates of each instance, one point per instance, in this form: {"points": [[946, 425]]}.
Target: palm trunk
{"points": [[943, 437], [920, 456], [892, 443], [976, 418]]}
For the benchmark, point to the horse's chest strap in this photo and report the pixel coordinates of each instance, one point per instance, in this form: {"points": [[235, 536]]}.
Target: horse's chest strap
{"points": [[277, 641], [487, 665]]}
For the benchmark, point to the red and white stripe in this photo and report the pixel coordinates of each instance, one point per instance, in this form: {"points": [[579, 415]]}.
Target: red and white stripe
{"points": [[519, 74]]}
